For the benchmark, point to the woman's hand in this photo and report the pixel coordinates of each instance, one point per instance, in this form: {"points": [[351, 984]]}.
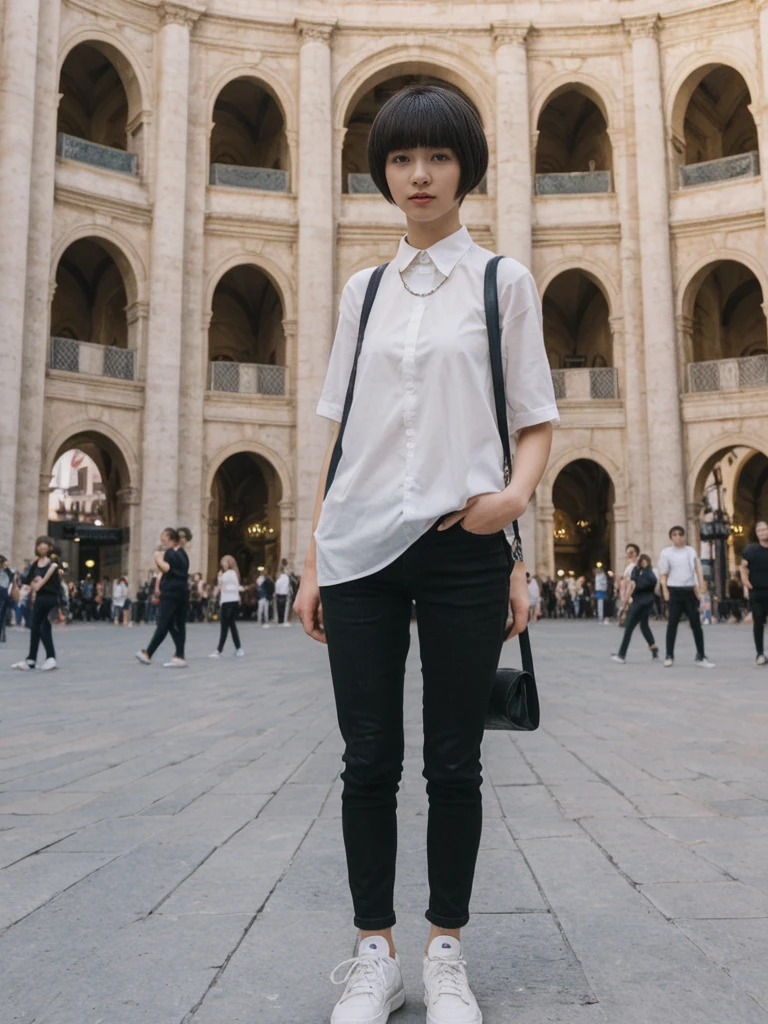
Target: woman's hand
{"points": [[519, 602], [308, 607], [487, 513]]}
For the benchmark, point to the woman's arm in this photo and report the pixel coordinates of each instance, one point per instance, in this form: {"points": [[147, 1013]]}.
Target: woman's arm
{"points": [[161, 563], [39, 581], [307, 604]]}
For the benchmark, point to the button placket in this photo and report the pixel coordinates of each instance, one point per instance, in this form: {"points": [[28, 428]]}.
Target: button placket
{"points": [[409, 400]]}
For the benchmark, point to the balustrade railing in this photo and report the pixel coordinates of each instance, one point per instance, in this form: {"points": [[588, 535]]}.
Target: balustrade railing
{"points": [[248, 378], [107, 157], [96, 360], [586, 384], [744, 165], [729, 374], [576, 183], [268, 179]]}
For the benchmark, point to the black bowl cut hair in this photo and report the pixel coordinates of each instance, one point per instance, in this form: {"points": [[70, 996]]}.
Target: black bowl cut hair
{"points": [[433, 117]]}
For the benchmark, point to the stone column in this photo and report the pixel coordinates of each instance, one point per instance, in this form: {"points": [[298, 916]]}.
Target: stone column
{"points": [[514, 181], [760, 112], [315, 264], [129, 503], [667, 495], [18, 65], [160, 462]]}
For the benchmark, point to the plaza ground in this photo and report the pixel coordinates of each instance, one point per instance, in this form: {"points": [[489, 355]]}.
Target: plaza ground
{"points": [[170, 847]]}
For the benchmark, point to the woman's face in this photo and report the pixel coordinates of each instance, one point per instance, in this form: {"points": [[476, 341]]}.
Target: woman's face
{"points": [[424, 182], [165, 539], [42, 549]]}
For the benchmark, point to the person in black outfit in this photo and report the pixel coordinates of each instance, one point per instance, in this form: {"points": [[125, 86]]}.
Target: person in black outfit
{"points": [[754, 576], [42, 576], [640, 591], [174, 590]]}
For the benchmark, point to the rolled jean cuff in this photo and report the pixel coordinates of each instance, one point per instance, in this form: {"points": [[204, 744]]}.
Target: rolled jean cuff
{"points": [[446, 922], [374, 924]]}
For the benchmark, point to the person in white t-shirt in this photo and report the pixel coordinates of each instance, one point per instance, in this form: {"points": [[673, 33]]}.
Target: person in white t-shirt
{"points": [[633, 553], [534, 596], [282, 594], [682, 583], [228, 588]]}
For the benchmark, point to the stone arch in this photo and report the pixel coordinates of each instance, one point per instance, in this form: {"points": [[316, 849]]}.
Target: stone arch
{"points": [[125, 61], [100, 431], [593, 88], [125, 255], [271, 83], [693, 276], [562, 459], [698, 463], [255, 448], [274, 273], [597, 272], [689, 73], [411, 59]]}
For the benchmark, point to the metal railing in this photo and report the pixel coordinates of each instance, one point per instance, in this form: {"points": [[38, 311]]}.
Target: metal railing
{"points": [[587, 384], [266, 178], [96, 360], [107, 157], [729, 374], [744, 165], [247, 378], [576, 183]]}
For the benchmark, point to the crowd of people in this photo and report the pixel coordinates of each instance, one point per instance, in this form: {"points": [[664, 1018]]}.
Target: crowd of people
{"points": [[260, 599]]}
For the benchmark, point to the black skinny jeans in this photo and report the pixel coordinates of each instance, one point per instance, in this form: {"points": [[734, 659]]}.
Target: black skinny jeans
{"points": [[638, 614], [40, 626], [758, 603], [683, 600], [460, 582], [170, 612], [227, 616]]}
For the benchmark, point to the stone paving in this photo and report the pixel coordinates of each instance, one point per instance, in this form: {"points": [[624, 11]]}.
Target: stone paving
{"points": [[170, 848]]}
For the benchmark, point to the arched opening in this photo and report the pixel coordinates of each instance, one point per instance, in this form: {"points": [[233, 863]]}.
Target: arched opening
{"points": [[573, 150], [355, 173], [730, 495], [89, 325], [245, 516], [727, 323], [713, 130], [89, 500], [93, 114], [246, 340], [583, 498], [249, 147], [578, 338]]}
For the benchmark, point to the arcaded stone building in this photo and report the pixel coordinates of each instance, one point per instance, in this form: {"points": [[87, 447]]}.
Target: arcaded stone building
{"points": [[184, 192]]}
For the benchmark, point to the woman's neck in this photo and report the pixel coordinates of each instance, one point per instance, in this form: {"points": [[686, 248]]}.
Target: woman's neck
{"points": [[422, 234]]}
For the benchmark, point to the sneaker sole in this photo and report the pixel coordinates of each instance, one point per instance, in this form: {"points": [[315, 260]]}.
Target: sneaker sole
{"points": [[395, 1003], [431, 1019]]}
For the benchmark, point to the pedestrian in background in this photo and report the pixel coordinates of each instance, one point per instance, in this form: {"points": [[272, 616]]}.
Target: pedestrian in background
{"points": [[754, 578], [639, 598], [266, 593], [119, 597], [682, 583], [534, 596], [228, 587], [601, 592], [7, 578], [282, 596], [173, 566], [42, 578]]}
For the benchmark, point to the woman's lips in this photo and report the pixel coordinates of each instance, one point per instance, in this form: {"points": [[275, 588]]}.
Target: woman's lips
{"points": [[422, 200]]}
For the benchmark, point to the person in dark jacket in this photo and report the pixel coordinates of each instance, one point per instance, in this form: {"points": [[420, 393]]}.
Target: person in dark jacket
{"points": [[42, 576], [640, 591]]}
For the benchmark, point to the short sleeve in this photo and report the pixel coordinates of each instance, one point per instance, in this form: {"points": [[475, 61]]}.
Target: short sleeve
{"points": [[528, 379], [664, 564], [331, 404]]}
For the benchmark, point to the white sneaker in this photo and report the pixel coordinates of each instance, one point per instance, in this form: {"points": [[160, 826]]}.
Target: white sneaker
{"points": [[23, 666], [285, 625], [175, 663], [239, 653], [669, 662], [447, 995], [760, 659], [48, 664], [618, 659], [704, 663], [374, 985], [214, 654], [143, 657], [265, 625]]}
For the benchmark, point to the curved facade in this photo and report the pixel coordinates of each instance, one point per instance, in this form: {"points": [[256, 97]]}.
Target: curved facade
{"points": [[185, 191]]}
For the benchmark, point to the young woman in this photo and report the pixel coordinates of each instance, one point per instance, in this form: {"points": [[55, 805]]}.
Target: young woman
{"points": [[42, 577], [228, 588], [639, 590], [173, 565], [119, 598], [418, 510]]}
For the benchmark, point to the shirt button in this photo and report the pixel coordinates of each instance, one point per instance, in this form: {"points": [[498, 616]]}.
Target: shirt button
{"points": [[409, 445], [409, 433]]}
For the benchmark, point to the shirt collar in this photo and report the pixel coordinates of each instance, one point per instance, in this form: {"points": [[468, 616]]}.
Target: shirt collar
{"points": [[445, 254]]}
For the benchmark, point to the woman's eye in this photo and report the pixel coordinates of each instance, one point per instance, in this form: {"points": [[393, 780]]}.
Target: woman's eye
{"points": [[400, 158], [441, 156]]}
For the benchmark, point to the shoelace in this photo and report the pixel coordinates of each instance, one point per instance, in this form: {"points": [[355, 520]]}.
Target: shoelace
{"points": [[450, 978], [364, 972]]}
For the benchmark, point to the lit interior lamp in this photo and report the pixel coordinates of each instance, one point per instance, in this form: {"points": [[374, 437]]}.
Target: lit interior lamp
{"points": [[89, 563]]}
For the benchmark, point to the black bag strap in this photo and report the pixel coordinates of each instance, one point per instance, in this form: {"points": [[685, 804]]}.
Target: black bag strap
{"points": [[500, 400], [370, 295]]}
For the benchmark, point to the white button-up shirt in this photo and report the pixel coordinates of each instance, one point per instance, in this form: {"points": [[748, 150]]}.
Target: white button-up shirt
{"points": [[422, 438]]}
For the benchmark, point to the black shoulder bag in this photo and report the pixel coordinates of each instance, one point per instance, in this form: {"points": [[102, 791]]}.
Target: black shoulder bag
{"points": [[514, 703]]}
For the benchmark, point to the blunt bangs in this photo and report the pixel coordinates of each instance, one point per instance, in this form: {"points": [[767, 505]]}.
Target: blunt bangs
{"points": [[432, 117]]}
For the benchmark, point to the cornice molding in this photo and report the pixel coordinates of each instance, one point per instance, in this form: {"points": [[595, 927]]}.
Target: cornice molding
{"points": [[231, 226], [643, 28], [754, 220], [314, 31], [173, 12], [507, 33], [122, 209], [566, 234]]}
